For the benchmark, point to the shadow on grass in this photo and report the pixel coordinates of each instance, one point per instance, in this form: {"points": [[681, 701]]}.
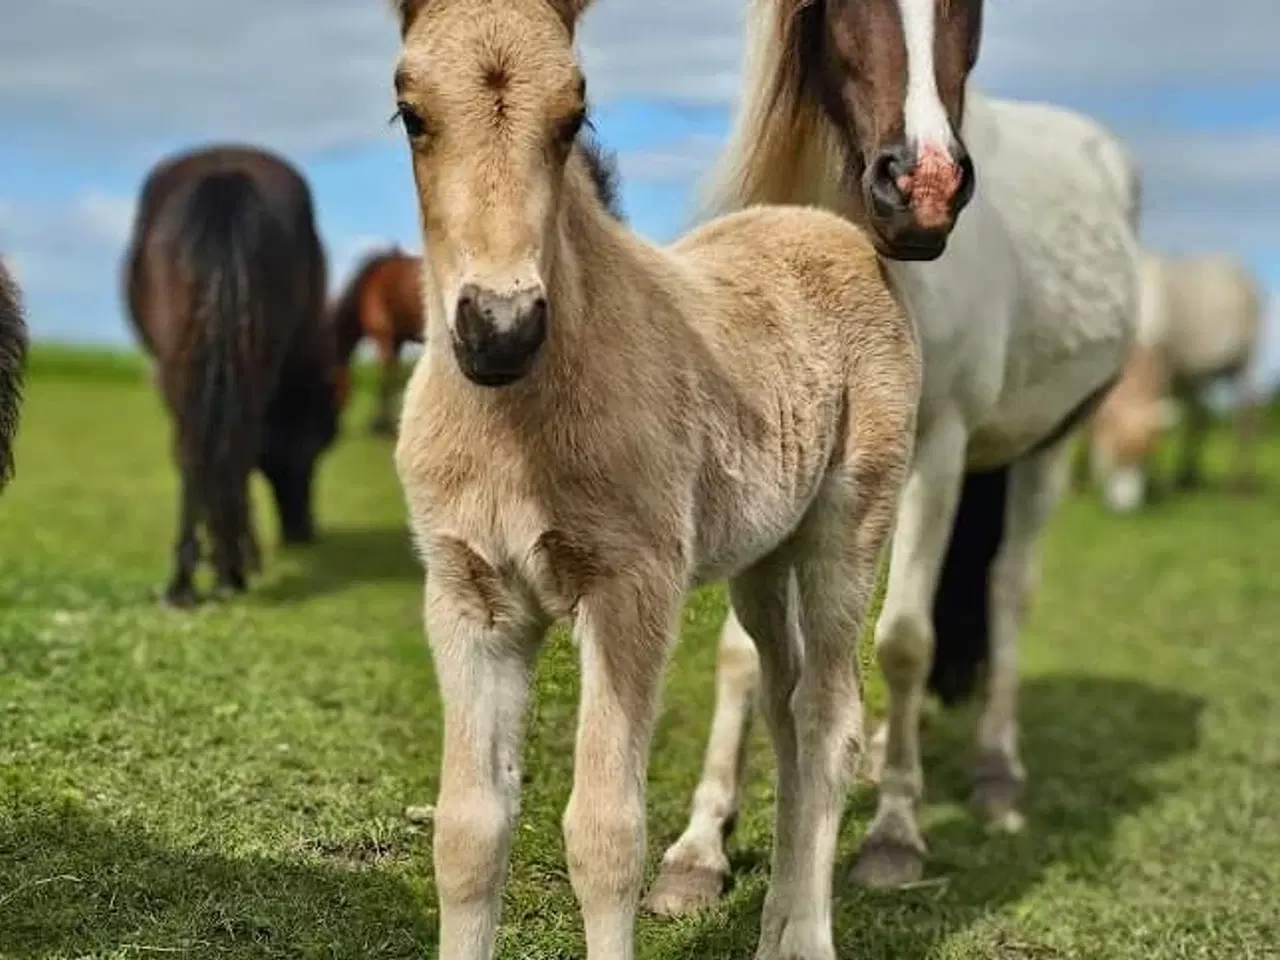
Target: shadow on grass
{"points": [[70, 886], [338, 558], [1090, 745]]}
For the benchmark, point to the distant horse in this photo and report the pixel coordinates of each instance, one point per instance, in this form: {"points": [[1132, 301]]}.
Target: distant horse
{"points": [[1201, 320], [596, 425], [225, 284], [13, 356], [382, 301], [1026, 312]]}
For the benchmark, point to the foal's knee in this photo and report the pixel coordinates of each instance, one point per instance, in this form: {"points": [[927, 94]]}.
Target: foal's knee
{"points": [[904, 647], [471, 838], [604, 844]]}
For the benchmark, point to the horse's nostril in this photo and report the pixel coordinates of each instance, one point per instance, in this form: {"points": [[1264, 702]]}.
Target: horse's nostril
{"points": [[885, 182]]}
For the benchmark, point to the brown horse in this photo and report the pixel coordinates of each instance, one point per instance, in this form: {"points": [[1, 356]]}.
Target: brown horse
{"points": [[13, 355], [382, 301], [225, 283]]}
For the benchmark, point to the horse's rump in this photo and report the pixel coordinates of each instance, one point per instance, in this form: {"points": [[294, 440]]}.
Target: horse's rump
{"points": [[13, 353]]}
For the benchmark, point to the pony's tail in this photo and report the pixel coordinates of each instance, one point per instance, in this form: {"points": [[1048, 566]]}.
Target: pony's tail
{"points": [[228, 246], [13, 356], [962, 604]]}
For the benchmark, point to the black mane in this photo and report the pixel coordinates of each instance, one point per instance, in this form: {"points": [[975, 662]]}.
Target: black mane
{"points": [[602, 164]]}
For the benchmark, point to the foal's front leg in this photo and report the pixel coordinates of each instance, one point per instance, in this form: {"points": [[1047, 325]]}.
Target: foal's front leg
{"points": [[483, 649], [624, 632]]}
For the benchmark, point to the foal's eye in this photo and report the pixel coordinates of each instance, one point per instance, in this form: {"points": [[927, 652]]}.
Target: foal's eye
{"points": [[414, 126], [569, 128]]}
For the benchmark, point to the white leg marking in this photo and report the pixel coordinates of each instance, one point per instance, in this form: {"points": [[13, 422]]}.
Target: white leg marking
{"points": [[923, 113]]}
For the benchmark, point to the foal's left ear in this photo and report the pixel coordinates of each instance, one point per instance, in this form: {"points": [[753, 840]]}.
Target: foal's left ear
{"points": [[570, 10], [406, 11]]}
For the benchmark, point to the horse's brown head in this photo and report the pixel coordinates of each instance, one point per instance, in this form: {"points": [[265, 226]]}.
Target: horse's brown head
{"points": [[491, 100], [891, 75]]}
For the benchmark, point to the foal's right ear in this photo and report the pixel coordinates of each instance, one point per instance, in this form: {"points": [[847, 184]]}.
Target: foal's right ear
{"points": [[570, 10]]}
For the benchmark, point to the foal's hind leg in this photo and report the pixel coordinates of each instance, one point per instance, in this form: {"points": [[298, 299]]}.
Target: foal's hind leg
{"points": [[893, 851], [695, 867], [1035, 489]]}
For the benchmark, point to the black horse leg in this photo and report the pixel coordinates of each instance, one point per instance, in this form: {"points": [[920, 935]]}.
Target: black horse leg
{"points": [[229, 540], [181, 591]]}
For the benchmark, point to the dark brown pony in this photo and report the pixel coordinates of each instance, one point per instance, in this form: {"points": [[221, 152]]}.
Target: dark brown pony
{"points": [[382, 301], [13, 355], [225, 282]]}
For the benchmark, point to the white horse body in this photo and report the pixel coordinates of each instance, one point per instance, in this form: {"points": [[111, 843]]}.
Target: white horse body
{"points": [[1024, 321]]}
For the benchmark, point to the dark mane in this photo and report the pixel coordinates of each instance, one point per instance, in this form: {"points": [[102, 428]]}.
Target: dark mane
{"points": [[602, 164]]}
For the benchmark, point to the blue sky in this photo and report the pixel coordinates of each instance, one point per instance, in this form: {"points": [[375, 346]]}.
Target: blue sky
{"points": [[89, 100]]}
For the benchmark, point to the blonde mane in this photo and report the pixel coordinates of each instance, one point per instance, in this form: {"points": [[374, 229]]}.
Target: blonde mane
{"points": [[781, 147]]}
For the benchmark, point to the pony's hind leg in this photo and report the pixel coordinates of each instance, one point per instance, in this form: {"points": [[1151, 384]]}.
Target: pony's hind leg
{"points": [[181, 591], [624, 631], [1035, 487], [384, 421], [893, 851], [695, 867], [229, 523], [483, 643]]}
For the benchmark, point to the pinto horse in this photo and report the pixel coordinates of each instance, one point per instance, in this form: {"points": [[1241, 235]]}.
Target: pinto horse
{"points": [[225, 283], [1026, 305], [382, 301], [13, 354]]}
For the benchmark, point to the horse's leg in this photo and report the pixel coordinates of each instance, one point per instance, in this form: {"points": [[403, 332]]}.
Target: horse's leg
{"points": [[389, 362], [624, 632], [249, 542], [1189, 475], [483, 651], [228, 533], [181, 591], [1035, 487], [694, 868], [893, 851]]}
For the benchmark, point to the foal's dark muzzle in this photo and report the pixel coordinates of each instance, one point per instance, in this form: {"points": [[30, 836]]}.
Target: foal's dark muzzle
{"points": [[496, 336], [913, 201]]}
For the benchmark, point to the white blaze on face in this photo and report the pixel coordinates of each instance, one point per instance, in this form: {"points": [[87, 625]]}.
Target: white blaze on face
{"points": [[924, 115]]}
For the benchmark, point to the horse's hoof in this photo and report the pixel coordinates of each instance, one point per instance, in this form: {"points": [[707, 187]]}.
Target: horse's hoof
{"points": [[887, 864], [182, 597], [996, 802], [683, 889]]}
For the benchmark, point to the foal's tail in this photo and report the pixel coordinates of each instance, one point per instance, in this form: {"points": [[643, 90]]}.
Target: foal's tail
{"points": [[229, 239]]}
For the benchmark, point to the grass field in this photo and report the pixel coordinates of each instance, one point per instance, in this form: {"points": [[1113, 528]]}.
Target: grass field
{"points": [[231, 783]]}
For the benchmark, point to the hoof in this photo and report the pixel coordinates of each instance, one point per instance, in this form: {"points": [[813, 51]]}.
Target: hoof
{"points": [[997, 793], [887, 864], [181, 597], [681, 890]]}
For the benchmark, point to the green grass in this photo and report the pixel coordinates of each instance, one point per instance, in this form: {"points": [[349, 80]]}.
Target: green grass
{"points": [[231, 783]]}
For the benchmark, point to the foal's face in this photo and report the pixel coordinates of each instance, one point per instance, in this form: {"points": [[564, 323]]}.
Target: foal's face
{"points": [[893, 80], [491, 100]]}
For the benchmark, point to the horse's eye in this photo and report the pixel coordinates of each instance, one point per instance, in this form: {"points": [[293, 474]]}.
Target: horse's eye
{"points": [[414, 126], [569, 128]]}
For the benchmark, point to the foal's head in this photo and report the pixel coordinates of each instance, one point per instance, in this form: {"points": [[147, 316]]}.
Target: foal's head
{"points": [[891, 75], [492, 100]]}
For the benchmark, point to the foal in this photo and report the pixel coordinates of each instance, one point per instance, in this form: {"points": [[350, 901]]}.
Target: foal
{"points": [[598, 425]]}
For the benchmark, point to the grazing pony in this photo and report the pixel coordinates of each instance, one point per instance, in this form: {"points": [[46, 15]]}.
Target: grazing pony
{"points": [[1201, 320], [598, 424], [225, 283], [13, 356], [1024, 320], [381, 301]]}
